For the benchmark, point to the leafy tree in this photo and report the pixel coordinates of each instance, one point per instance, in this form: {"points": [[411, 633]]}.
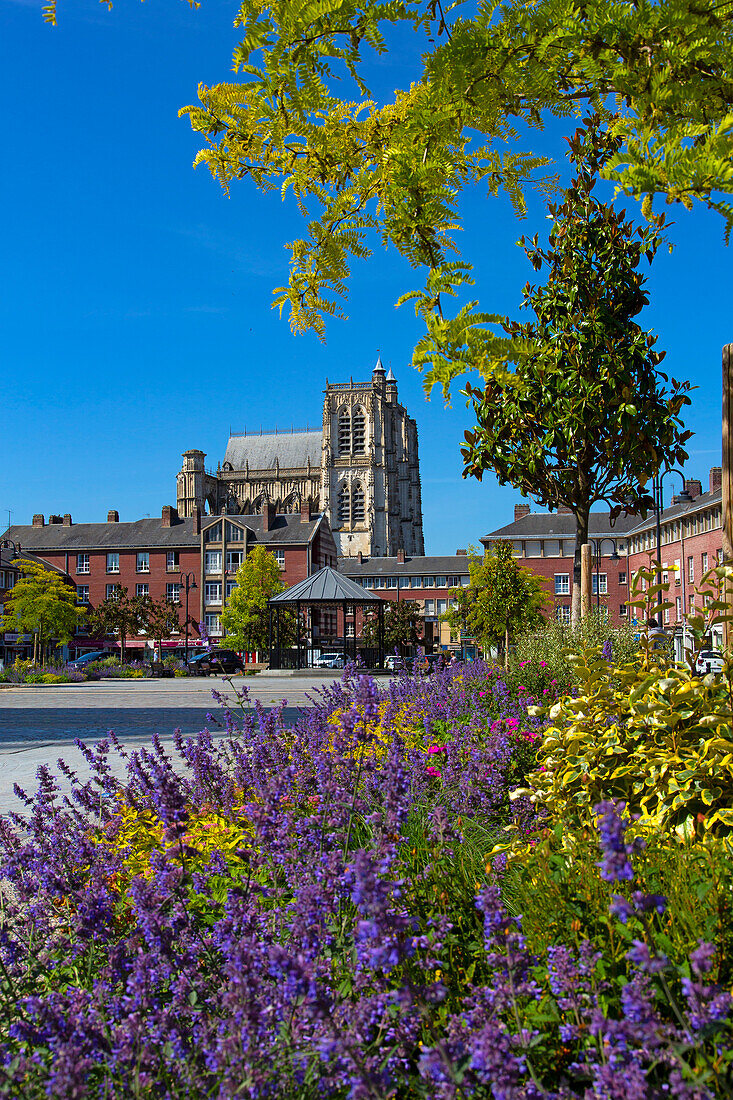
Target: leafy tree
{"points": [[403, 625], [43, 604], [160, 619], [586, 416], [119, 614], [502, 598], [246, 615], [393, 170]]}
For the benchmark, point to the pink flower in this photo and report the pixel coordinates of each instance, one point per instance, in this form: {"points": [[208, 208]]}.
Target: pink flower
{"points": [[434, 772], [437, 748], [543, 664]]}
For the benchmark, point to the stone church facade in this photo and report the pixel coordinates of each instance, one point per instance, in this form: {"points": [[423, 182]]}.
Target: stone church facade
{"points": [[362, 470]]}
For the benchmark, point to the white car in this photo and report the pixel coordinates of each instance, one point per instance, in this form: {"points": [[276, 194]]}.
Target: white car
{"points": [[393, 663], [329, 660], [709, 660]]}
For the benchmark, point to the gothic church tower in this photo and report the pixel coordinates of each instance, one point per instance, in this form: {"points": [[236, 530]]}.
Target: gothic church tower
{"points": [[370, 468], [362, 470]]}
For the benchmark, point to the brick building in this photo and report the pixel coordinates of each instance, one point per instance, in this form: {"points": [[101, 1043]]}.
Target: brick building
{"points": [[147, 556], [691, 544], [545, 543], [425, 580]]}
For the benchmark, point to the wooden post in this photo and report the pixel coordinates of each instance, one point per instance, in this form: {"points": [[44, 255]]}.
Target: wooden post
{"points": [[727, 479], [585, 579]]}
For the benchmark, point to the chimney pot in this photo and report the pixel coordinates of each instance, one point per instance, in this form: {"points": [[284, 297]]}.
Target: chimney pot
{"points": [[54, 519], [67, 519], [563, 510], [716, 478], [38, 520], [461, 553], [360, 557], [694, 488], [305, 511], [401, 557], [268, 515], [521, 510], [113, 516]]}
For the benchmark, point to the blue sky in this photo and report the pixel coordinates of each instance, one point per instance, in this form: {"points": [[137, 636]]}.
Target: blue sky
{"points": [[136, 317]]}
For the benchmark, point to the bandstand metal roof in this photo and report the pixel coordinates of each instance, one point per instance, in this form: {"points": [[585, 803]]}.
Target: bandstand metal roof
{"points": [[326, 586]]}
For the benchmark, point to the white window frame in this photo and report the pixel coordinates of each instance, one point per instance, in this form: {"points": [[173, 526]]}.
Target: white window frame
{"points": [[279, 556], [213, 623], [234, 560], [173, 592], [599, 584], [113, 562], [172, 561], [212, 561], [212, 593], [82, 593], [142, 561], [82, 563], [142, 585], [562, 612], [562, 584]]}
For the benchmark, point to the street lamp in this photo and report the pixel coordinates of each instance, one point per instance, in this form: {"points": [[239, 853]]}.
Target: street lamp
{"points": [[683, 498], [597, 547], [8, 544], [189, 579]]}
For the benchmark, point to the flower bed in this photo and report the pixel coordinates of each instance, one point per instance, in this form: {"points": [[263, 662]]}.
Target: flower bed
{"points": [[315, 911]]}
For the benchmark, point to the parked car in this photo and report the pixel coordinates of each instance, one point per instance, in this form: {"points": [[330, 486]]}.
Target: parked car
{"points": [[216, 660], [87, 658], [709, 660], [329, 660], [393, 663]]}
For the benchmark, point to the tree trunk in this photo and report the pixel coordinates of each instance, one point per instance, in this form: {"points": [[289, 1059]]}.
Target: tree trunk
{"points": [[581, 537], [506, 648]]}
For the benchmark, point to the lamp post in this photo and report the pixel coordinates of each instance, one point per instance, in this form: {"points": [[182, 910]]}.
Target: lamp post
{"points": [[657, 492], [597, 547], [189, 580], [8, 544]]}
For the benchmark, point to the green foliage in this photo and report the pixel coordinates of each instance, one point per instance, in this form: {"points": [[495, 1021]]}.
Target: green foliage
{"points": [[161, 619], [656, 735], [501, 598], [403, 627], [540, 657], [362, 170], [120, 614], [42, 603], [565, 425], [245, 617], [562, 898]]}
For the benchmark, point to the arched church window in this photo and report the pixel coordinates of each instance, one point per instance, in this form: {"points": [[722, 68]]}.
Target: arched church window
{"points": [[344, 432], [358, 432], [344, 504], [357, 503]]}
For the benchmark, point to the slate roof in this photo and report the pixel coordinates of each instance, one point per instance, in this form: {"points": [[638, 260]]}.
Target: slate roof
{"points": [[325, 586], [291, 449], [284, 530], [7, 557], [705, 500], [379, 567], [556, 525], [141, 533]]}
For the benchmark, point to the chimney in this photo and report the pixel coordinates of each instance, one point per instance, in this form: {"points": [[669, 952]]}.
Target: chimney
{"points": [[360, 557], [268, 516], [401, 557], [461, 553], [305, 511], [694, 487], [38, 520], [520, 511], [196, 519], [67, 519], [563, 510], [168, 516], [113, 516], [54, 519], [716, 478]]}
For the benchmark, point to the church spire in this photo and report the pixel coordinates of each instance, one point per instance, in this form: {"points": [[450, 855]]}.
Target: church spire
{"points": [[379, 372]]}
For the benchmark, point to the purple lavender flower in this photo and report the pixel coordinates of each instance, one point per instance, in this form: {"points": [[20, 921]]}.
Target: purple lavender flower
{"points": [[616, 862]]}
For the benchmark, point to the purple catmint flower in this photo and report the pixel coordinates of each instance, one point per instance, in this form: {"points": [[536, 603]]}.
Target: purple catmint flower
{"points": [[616, 862]]}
